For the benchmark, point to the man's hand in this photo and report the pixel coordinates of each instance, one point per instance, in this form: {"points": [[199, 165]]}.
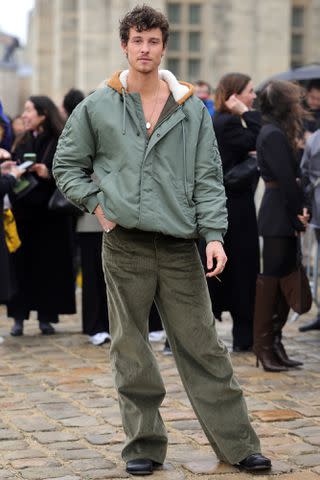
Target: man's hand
{"points": [[215, 250], [105, 224]]}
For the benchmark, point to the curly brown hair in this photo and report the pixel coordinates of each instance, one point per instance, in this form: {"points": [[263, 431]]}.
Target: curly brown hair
{"points": [[281, 103], [143, 18], [228, 85]]}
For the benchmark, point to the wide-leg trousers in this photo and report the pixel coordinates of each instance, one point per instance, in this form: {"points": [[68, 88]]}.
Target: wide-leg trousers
{"points": [[140, 266]]}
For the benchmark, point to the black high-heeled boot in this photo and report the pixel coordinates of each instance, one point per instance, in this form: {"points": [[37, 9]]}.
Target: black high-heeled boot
{"points": [[266, 297], [279, 321]]}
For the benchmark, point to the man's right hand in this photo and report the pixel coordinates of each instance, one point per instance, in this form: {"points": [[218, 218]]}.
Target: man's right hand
{"points": [[105, 224]]}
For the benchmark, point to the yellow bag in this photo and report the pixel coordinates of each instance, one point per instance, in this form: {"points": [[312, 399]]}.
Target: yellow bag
{"points": [[10, 231]]}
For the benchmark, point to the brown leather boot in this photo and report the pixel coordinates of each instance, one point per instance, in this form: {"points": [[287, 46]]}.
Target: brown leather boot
{"points": [[279, 320], [266, 297]]}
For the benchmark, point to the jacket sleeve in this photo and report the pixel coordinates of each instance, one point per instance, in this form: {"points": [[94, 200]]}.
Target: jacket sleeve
{"points": [[7, 182], [209, 194], [278, 157], [73, 161]]}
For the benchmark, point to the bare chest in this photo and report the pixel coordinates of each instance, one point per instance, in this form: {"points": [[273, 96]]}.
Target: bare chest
{"points": [[152, 111]]}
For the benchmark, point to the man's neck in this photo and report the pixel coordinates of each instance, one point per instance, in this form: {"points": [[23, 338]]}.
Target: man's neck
{"points": [[144, 83]]}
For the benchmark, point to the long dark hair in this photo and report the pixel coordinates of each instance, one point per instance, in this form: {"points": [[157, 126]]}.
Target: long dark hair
{"points": [[228, 85], [280, 103], [53, 122]]}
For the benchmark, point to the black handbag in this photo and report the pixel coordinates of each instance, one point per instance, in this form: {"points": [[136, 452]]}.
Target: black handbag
{"points": [[243, 175], [60, 204]]}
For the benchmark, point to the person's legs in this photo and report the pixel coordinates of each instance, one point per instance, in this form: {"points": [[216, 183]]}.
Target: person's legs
{"points": [[202, 359], [94, 298], [279, 259], [129, 261]]}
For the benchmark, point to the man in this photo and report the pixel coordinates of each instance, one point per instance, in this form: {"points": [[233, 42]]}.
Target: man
{"points": [[202, 90], [310, 168], [150, 143], [312, 103]]}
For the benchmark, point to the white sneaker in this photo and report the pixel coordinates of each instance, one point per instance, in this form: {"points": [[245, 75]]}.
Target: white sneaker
{"points": [[1, 339], [157, 336], [99, 338]]}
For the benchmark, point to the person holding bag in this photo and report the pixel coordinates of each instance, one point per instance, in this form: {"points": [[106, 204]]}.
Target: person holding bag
{"points": [[282, 217], [44, 263], [236, 127]]}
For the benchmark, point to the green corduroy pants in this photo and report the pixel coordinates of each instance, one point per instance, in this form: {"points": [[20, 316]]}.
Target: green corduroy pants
{"points": [[139, 267]]}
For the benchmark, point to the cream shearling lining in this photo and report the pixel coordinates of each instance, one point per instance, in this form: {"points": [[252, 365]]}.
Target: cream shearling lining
{"points": [[177, 89]]}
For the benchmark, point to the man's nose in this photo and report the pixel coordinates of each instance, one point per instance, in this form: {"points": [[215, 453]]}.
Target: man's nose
{"points": [[145, 47]]}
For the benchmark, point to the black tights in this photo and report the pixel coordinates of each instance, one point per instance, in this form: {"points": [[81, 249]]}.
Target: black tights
{"points": [[279, 255]]}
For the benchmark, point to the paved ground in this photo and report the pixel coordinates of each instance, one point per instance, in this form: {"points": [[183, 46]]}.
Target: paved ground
{"points": [[59, 415]]}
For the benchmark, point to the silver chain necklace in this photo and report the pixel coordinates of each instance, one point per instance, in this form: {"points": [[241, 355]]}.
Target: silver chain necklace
{"points": [[149, 122]]}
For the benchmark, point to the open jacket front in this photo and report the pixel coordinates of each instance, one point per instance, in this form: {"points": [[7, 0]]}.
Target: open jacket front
{"points": [[170, 182]]}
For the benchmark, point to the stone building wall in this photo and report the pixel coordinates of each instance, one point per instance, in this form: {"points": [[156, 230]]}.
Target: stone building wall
{"points": [[76, 42]]}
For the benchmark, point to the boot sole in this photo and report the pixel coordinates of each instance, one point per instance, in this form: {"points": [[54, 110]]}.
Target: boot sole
{"points": [[256, 468]]}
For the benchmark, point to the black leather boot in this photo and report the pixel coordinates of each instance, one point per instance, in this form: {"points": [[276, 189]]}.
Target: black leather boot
{"points": [[255, 462], [314, 325], [279, 321], [141, 466], [266, 297], [46, 328], [17, 328]]}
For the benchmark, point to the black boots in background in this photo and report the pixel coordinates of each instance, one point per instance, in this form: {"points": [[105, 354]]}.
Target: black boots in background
{"points": [[271, 313]]}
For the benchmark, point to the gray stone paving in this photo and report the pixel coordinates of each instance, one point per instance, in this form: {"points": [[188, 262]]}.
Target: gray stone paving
{"points": [[60, 420]]}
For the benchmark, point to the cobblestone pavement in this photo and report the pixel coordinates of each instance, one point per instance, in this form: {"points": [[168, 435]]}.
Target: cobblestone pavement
{"points": [[59, 415]]}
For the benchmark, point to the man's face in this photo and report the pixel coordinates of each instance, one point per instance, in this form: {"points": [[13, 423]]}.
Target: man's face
{"points": [[202, 91], [144, 49], [313, 99]]}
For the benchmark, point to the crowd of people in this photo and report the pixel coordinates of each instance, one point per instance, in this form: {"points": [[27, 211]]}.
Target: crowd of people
{"points": [[148, 192], [40, 274]]}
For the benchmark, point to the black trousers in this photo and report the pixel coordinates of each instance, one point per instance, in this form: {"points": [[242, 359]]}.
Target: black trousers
{"points": [[94, 296]]}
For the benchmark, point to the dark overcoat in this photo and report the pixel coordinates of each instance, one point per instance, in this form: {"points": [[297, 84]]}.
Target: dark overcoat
{"points": [[44, 263], [236, 293], [6, 277]]}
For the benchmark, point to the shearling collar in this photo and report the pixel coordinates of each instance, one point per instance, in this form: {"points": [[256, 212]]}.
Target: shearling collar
{"points": [[181, 91]]}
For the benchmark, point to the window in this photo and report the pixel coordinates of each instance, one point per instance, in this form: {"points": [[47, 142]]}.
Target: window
{"points": [[297, 20], [175, 41], [194, 14], [185, 48], [174, 66], [193, 69], [194, 41], [297, 44], [174, 13]]}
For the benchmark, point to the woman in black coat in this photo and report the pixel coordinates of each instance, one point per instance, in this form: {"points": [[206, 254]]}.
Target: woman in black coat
{"points": [[44, 263], [8, 175], [282, 217], [236, 128]]}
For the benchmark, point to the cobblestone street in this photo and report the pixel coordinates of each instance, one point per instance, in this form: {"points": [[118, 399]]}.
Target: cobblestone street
{"points": [[60, 419]]}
